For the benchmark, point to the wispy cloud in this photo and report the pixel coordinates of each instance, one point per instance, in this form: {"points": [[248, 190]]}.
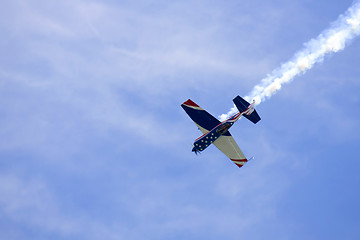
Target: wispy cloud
{"points": [[93, 142], [31, 203], [86, 55]]}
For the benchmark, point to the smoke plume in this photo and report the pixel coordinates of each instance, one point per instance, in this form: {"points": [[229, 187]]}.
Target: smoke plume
{"points": [[331, 40]]}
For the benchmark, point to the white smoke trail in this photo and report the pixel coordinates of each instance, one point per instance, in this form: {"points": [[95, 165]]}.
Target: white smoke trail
{"points": [[331, 40]]}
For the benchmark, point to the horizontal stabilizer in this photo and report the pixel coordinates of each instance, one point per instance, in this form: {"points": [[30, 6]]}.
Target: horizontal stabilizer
{"points": [[242, 105]]}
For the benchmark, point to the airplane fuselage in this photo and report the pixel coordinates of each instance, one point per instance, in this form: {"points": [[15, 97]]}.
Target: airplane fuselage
{"points": [[208, 138]]}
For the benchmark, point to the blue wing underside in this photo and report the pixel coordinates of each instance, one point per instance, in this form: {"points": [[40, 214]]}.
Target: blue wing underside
{"points": [[201, 117]]}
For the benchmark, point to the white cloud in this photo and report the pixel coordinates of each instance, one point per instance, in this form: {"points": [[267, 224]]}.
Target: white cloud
{"points": [[31, 203], [79, 72], [83, 55]]}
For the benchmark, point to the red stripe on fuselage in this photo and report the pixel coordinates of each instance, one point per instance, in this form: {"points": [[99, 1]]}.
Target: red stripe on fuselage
{"points": [[236, 117]]}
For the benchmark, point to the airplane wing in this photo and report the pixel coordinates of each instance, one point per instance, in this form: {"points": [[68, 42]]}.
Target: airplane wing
{"points": [[229, 147], [203, 120]]}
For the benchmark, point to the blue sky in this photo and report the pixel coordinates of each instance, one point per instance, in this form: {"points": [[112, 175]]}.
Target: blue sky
{"points": [[94, 143]]}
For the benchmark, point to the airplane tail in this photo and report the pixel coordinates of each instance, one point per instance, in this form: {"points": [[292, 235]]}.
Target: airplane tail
{"points": [[242, 105]]}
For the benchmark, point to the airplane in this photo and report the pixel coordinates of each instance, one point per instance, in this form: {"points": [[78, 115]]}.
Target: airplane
{"points": [[216, 132]]}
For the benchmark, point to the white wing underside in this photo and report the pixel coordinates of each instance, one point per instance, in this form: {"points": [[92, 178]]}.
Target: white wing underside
{"points": [[229, 147]]}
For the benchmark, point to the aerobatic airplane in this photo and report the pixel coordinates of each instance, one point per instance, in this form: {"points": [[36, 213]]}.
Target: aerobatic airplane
{"points": [[217, 132]]}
